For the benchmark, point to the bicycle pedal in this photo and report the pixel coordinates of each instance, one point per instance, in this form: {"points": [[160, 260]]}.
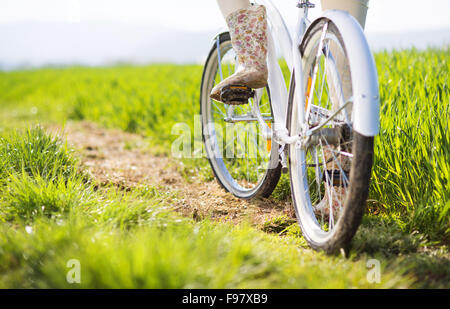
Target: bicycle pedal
{"points": [[335, 178], [236, 95]]}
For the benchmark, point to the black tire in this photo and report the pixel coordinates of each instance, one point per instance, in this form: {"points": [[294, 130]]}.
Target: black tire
{"points": [[362, 149], [272, 174]]}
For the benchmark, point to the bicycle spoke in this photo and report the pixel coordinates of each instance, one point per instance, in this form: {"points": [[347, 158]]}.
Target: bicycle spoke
{"points": [[337, 161], [316, 67], [318, 173], [324, 73], [325, 155], [218, 109], [327, 181]]}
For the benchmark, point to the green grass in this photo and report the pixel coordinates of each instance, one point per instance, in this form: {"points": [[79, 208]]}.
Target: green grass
{"points": [[412, 162], [133, 239], [51, 212], [36, 154], [412, 157]]}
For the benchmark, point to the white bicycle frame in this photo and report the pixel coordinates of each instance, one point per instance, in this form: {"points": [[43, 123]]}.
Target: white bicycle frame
{"points": [[365, 90]]}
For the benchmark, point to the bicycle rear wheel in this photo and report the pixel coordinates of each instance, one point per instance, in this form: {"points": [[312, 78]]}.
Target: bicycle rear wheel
{"points": [[243, 161], [330, 176]]}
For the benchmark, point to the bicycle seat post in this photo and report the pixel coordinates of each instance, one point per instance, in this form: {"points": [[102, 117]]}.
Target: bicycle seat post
{"points": [[305, 5]]}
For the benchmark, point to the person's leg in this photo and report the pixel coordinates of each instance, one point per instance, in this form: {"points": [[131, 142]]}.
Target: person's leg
{"points": [[356, 8], [248, 31], [229, 6]]}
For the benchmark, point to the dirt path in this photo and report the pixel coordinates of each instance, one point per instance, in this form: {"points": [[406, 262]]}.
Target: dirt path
{"points": [[106, 156]]}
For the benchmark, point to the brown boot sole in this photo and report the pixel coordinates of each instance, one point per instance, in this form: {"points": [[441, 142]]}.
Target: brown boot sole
{"points": [[236, 94]]}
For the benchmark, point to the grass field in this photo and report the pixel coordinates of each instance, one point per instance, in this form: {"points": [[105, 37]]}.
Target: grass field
{"points": [[52, 211]]}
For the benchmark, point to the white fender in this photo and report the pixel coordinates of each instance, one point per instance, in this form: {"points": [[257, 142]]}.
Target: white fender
{"points": [[366, 97]]}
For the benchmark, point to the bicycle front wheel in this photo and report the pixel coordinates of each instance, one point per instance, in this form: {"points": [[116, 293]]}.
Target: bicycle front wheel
{"points": [[330, 175], [244, 162]]}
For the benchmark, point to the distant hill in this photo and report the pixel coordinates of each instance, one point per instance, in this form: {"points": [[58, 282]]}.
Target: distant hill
{"points": [[402, 40], [89, 43], [37, 44]]}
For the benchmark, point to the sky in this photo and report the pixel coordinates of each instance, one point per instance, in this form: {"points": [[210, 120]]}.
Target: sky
{"points": [[26, 23], [201, 15]]}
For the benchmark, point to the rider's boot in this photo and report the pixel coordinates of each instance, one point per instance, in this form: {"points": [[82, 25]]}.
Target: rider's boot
{"points": [[248, 31]]}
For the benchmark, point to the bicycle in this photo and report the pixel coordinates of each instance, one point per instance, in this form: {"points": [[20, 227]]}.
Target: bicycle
{"points": [[324, 130]]}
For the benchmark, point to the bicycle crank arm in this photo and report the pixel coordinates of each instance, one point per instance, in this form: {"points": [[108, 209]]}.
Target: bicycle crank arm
{"points": [[328, 136], [235, 119]]}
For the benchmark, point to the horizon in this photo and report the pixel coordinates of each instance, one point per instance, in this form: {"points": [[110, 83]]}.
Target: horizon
{"points": [[100, 32]]}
